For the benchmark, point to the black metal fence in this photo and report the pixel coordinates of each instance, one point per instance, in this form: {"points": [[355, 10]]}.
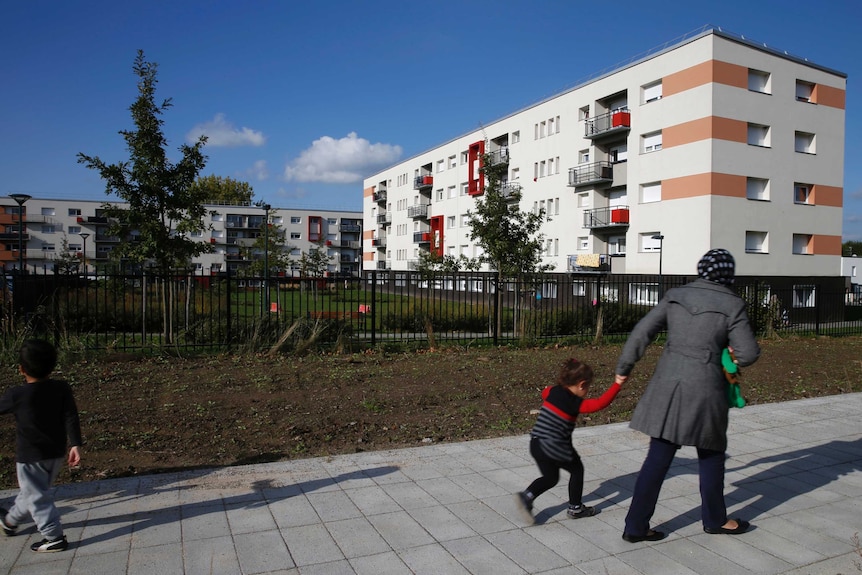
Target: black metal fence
{"points": [[383, 308]]}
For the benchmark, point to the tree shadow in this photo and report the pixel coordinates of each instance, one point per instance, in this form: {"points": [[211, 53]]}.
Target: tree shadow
{"points": [[137, 521]]}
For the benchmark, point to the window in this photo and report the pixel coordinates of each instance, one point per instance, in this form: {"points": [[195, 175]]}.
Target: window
{"points": [[465, 189], [756, 242], [804, 143], [651, 192], [801, 243], [439, 195], [74, 230], [48, 211], [804, 296], [584, 157], [75, 248], [49, 229], [550, 166], [295, 235], [584, 113], [652, 142], [331, 221], [196, 234], [46, 247], [579, 289], [617, 245], [450, 222], [643, 294], [804, 91], [618, 153], [756, 189], [516, 173], [74, 211], [465, 220], [452, 192], [758, 135], [801, 193], [516, 137], [295, 219], [648, 244], [583, 200], [542, 127], [440, 166], [453, 162], [465, 157], [583, 243], [759, 81], [652, 92], [551, 126], [542, 165]]}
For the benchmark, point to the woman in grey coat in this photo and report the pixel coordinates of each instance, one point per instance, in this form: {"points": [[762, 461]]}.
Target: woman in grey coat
{"points": [[685, 402]]}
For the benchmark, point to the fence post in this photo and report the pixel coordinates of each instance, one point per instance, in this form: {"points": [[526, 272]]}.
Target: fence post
{"points": [[373, 308], [496, 283], [818, 297], [228, 333]]}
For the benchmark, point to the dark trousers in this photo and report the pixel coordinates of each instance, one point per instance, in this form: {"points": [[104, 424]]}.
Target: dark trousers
{"points": [[648, 485], [550, 470]]}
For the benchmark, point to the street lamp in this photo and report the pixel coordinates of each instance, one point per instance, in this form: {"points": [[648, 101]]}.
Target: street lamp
{"points": [[660, 239], [84, 236], [20, 199]]}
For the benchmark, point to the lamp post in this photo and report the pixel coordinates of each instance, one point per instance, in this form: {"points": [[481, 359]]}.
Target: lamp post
{"points": [[84, 236], [660, 239], [20, 199]]}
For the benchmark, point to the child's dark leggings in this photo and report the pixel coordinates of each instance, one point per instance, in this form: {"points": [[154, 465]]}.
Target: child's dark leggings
{"points": [[550, 470]]}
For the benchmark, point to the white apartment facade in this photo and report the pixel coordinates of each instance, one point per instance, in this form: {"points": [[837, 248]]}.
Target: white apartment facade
{"points": [[229, 229], [712, 142]]}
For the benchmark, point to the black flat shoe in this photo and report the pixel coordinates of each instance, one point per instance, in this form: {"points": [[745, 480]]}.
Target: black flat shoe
{"points": [[651, 535], [741, 527]]}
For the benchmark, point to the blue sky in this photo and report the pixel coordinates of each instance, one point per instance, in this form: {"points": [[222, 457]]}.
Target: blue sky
{"points": [[304, 99]]}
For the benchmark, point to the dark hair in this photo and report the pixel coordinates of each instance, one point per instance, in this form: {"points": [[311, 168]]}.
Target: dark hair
{"points": [[37, 358], [574, 371]]}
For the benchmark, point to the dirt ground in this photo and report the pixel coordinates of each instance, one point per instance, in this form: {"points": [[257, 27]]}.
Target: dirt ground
{"points": [[146, 415]]}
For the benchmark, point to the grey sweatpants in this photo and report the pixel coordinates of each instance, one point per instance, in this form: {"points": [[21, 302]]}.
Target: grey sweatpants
{"points": [[35, 498]]}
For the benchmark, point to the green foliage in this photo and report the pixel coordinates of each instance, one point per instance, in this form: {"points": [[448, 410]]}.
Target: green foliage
{"points": [[218, 189], [164, 207], [509, 238], [850, 248], [315, 261], [269, 250]]}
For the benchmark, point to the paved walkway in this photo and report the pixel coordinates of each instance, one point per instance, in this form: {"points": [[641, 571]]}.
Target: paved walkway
{"points": [[795, 471]]}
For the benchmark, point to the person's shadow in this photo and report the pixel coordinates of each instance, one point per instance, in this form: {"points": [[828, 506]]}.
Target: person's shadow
{"points": [[131, 521]]}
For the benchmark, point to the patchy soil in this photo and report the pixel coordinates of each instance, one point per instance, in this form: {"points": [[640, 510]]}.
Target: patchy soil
{"points": [[146, 415]]}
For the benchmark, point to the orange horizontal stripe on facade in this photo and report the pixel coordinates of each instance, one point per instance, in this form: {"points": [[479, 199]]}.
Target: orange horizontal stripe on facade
{"points": [[827, 196], [368, 192], [367, 256], [710, 183], [712, 127], [823, 245]]}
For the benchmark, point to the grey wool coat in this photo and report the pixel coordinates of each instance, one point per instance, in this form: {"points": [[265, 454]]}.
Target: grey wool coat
{"points": [[685, 401]]}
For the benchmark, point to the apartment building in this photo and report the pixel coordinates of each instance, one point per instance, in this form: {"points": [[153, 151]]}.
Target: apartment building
{"points": [[231, 230], [714, 141]]}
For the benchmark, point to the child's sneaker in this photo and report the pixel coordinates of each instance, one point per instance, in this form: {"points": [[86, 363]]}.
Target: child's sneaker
{"points": [[8, 530], [50, 545], [525, 506], [580, 511]]}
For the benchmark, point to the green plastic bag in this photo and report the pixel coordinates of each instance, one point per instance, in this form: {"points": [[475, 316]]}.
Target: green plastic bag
{"points": [[731, 372]]}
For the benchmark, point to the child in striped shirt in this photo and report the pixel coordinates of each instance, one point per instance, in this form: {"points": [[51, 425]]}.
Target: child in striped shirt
{"points": [[551, 438]]}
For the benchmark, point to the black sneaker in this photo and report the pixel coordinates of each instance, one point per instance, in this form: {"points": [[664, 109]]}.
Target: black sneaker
{"points": [[525, 506], [8, 530], [580, 512], [50, 545]]}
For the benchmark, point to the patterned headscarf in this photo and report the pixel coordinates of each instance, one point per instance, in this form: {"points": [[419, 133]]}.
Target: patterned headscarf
{"points": [[717, 266]]}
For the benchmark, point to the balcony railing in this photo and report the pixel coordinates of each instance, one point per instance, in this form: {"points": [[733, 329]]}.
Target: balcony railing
{"points": [[384, 219], [500, 156], [422, 182], [380, 196], [418, 211], [351, 244], [422, 238], [608, 124], [378, 242], [591, 174], [382, 266], [610, 217], [510, 191], [14, 236], [350, 228], [589, 263]]}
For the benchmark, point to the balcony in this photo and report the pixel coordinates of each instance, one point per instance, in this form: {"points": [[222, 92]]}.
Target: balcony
{"points": [[423, 182], [351, 244], [382, 266], [380, 196], [611, 217], [379, 243], [498, 157], [422, 238], [384, 219], [594, 174], [510, 191], [14, 236], [582, 263], [608, 125], [418, 211], [350, 228]]}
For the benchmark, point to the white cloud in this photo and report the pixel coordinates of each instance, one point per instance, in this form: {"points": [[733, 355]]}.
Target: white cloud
{"points": [[343, 161], [295, 194], [221, 133], [258, 171]]}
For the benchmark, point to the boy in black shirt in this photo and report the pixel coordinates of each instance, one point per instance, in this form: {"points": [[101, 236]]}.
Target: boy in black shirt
{"points": [[46, 418]]}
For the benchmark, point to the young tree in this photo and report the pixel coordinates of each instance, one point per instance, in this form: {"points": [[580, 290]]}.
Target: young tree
{"points": [[315, 262], [164, 206], [223, 190], [67, 263], [269, 250]]}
